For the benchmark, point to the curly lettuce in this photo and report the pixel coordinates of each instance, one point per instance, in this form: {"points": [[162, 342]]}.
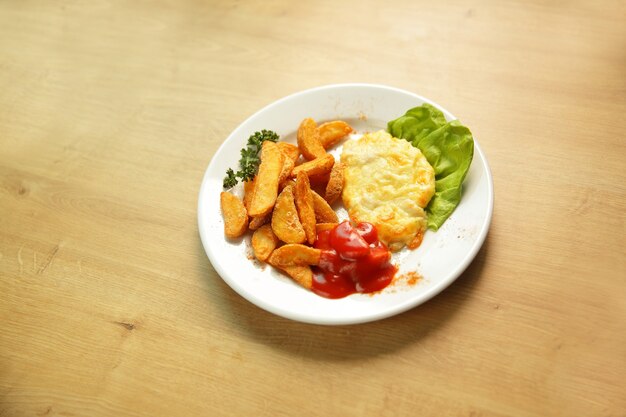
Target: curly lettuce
{"points": [[448, 147]]}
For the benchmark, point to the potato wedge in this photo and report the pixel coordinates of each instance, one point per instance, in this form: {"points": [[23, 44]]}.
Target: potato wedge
{"points": [[304, 204], [234, 213], [285, 221], [309, 140], [266, 180], [302, 274], [288, 165], [248, 189], [290, 150], [320, 227], [264, 241], [318, 166], [285, 184], [332, 132], [256, 222], [295, 254], [334, 187], [323, 211]]}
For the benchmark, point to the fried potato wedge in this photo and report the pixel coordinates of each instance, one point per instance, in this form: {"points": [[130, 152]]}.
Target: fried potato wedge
{"points": [[248, 189], [266, 180], [323, 211], [285, 221], [309, 140], [304, 204], [320, 227], [302, 274], [235, 216], [285, 184], [334, 187], [318, 166], [256, 222], [332, 132], [264, 241], [295, 254], [288, 165], [290, 150]]}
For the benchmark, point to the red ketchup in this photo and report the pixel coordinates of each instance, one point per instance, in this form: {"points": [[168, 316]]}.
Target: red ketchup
{"points": [[353, 260]]}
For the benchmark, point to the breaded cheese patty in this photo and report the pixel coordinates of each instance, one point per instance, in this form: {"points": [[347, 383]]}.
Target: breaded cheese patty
{"points": [[388, 182]]}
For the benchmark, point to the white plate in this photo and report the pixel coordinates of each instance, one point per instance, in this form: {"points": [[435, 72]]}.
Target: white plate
{"points": [[441, 258]]}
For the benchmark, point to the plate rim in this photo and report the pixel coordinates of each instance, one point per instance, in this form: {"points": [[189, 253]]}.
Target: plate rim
{"points": [[375, 316]]}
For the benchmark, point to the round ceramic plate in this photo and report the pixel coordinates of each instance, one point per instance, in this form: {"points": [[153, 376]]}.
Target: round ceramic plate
{"points": [[423, 272]]}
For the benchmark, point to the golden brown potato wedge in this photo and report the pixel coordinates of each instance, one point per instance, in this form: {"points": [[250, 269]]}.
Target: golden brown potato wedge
{"points": [[286, 171], [304, 204], [266, 180], [320, 227], [332, 132], [309, 140], [264, 242], [302, 274], [256, 222], [235, 216], [323, 211], [318, 166], [248, 189], [295, 254], [285, 221], [334, 187], [290, 150], [285, 184]]}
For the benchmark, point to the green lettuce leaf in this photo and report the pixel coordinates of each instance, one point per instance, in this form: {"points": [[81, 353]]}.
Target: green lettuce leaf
{"points": [[448, 147], [417, 123]]}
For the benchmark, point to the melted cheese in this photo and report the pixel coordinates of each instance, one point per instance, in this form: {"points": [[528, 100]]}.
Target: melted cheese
{"points": [[388, 182]]}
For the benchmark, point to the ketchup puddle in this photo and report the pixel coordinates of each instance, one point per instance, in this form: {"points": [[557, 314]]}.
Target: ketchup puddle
{"points": [[353, 260]]}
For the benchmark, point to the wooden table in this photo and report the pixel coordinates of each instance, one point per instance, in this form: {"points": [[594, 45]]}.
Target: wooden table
{"points": [[110, 112]]}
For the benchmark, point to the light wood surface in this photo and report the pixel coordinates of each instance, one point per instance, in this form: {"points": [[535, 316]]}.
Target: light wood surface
{"points": [[110, 112]]}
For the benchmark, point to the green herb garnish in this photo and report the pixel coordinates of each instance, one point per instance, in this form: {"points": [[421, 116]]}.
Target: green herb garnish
{"points": [[230, 180], [249, 162]]}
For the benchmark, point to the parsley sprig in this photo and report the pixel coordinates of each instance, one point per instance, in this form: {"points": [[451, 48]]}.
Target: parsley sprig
{"points": [[249, 161]]}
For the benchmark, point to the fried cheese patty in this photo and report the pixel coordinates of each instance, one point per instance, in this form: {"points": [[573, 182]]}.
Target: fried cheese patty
{"points": [[388, 182]]}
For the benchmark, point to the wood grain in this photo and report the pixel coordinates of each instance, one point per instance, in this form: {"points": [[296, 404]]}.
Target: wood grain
{"points": [[110, 112]]}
